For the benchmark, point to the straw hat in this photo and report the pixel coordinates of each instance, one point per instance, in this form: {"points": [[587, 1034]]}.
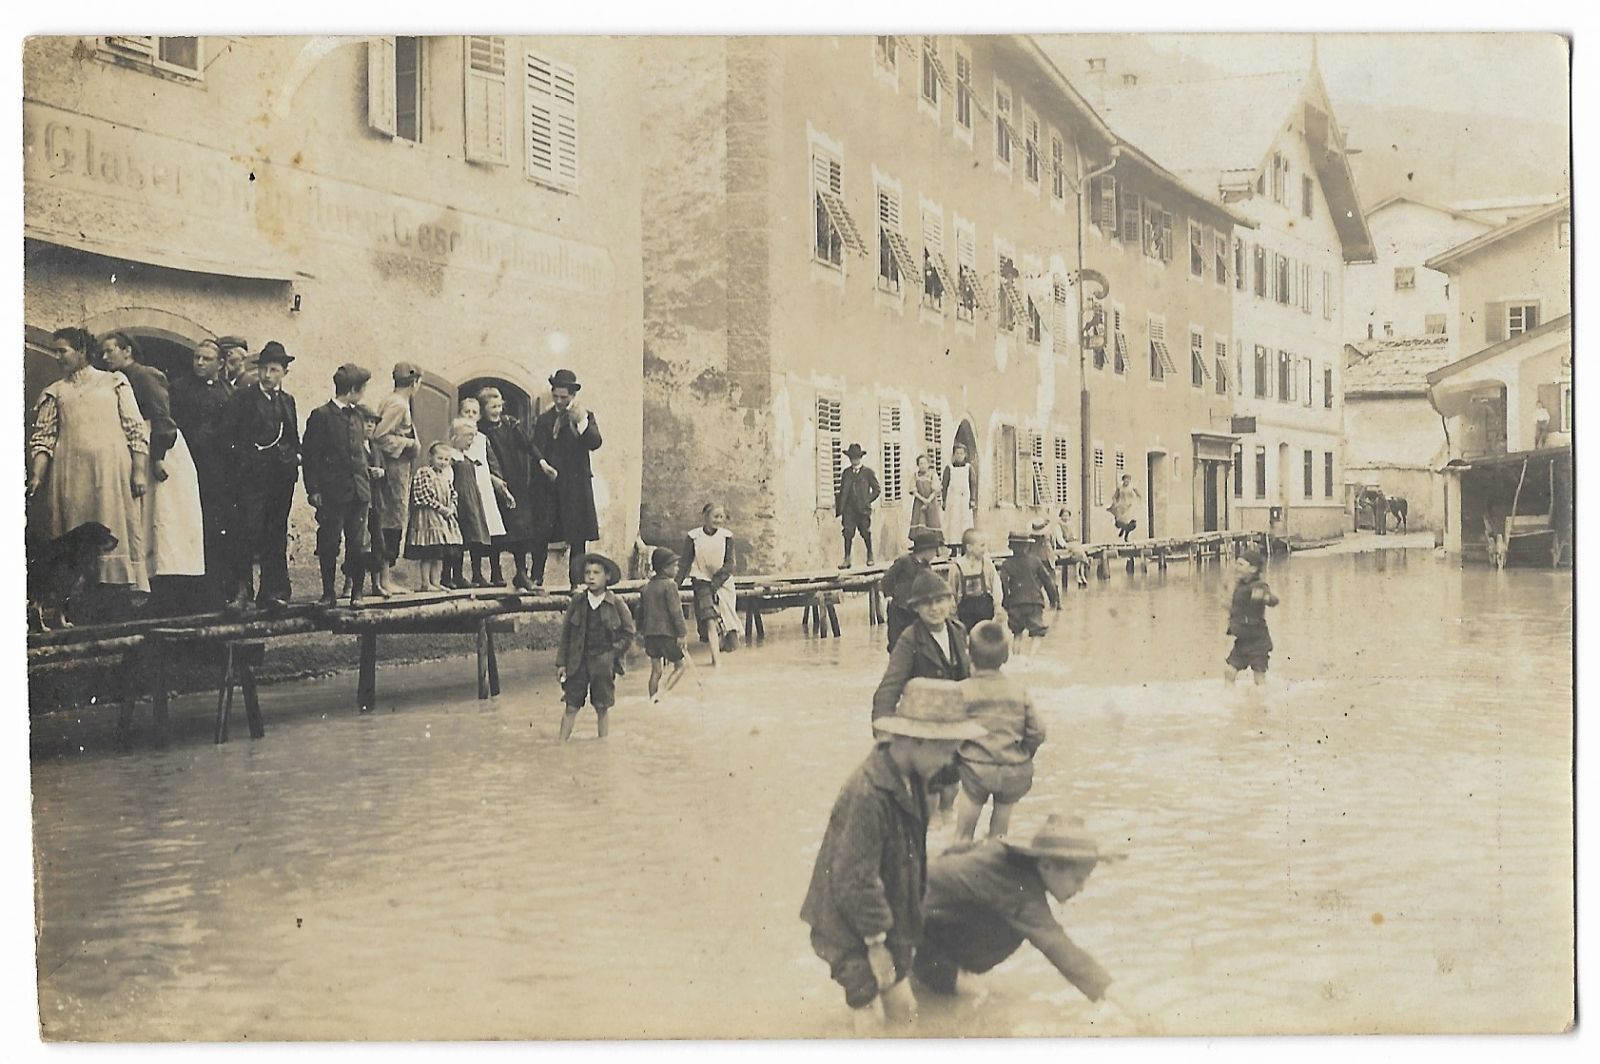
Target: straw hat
{"points": [[931, 709], [1062, 838], [613, 570]]}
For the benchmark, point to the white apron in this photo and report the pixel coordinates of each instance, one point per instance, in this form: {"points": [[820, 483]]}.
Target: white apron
{"points": [[478, 454], [174, 527], [710, 552], [958, 507]]}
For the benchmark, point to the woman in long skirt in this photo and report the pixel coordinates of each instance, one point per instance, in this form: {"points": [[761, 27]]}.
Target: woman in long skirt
{"points": [[87, 460], [707, 560], [960, 490], [927, 509]]}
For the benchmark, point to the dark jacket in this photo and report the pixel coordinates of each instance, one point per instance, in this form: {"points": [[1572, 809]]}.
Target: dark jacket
{"points": [[872, 868], [152, 393], [915, 654], [569, 499], [518, 458], [263, 434], [983, 902], [1247, 617], [616, 628], [199, 410], [1027, 580], [896, 583], [334, 455], [858, 490], [661, 609]]}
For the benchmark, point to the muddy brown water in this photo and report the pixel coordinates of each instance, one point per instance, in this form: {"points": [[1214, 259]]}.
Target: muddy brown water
{"points": [[1382, 842]]}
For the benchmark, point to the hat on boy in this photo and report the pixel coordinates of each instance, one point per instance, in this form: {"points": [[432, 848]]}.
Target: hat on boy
{"points": [[931, 709], [272, 351], [1040, 527], [406, 372], [613, 570], [926, 587], [854, 451], [1063, 839], [350, 376], [1254, 558], [662, 558], [926, 539]]}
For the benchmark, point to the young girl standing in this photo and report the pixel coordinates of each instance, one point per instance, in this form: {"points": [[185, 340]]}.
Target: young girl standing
{"points": [[433, 526], [707, 561], [927, 510], [960, 497], [477, 476]]}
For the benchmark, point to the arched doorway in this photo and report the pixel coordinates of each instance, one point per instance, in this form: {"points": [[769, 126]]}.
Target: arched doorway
{"points": [[172, 357], [966, 438], [518, 403]]}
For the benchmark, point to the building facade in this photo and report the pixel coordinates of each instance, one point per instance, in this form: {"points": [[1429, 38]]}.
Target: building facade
{"points": [[1396, 296], [1393, 438], [875, 241], [470, 204]]}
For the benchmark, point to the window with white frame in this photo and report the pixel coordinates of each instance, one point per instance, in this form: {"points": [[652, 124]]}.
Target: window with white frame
{"points": [[551, 101], [1238, 471], [1327, 387], [1263, 373], [1238, 264], [1220, 352], [1062, 452], [835, 231], [1327, 474], [886, 52], [895, 263], [1219, 242], [1280, 178], [935, 270], [931, 70], [1030, 146], [1197, 359], [830, 451], [1434, 324], [1305, 287], [171, 55], [1004, 131], [1161, 362], [964, 94], [1282, 273], [1261, 472], [1157, 232], [1405, 278], [933, 439], [1305, 382], [1197, 249], [892, 447], [394, 86], [1099, 476], [1130, 229], [1121, 467], [1327, 296], [486, 84], [970, 293], [1285, 376], [1521, 318], [1306, 474], [1259, 253], [1058, 168]]}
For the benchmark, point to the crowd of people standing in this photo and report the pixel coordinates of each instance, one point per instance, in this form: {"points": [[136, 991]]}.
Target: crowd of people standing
{"points": [[194, 477]]}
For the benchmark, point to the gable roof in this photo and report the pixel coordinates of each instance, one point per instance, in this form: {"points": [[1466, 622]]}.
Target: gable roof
{"points": [[1394, 367], [1494, 236], [1455, 212], [1217, 133], [1554, 325]]}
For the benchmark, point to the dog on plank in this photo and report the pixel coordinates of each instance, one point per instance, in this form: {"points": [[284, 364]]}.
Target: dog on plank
{"points": [[59, 568]]}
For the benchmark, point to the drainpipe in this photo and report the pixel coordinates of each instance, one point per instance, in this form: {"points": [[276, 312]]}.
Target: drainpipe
{"points": [[1085, 446]]}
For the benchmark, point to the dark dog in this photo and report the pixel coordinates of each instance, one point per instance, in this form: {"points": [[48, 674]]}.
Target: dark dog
{"points": [[57, 569]]}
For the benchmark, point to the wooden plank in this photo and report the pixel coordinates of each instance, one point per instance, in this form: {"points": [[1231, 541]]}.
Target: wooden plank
{"points": [[367, 674], [483, 660], [225, 694], [494, 664]]}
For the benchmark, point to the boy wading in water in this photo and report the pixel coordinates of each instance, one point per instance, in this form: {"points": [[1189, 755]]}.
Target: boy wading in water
{"points": [[1027, 581], [1247, 618], [864, 904], [661, 623], [597, 631]]}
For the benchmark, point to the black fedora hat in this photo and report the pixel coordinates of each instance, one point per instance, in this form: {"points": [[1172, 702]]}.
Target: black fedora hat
{"points": [[272, 351], [855, 450], [565, 378]]}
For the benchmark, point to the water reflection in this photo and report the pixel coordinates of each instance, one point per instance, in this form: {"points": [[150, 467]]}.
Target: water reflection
{"points": [[1382, 843]]}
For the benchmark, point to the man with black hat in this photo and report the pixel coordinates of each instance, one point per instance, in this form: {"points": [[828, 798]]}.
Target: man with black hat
{"points": [[566, 433], [852, 504], [397, 446], [334, 463], [986, 899], [896, 584], [264, 435]]}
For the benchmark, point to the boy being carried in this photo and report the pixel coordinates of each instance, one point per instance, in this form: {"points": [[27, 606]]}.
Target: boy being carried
{"points": [[1000, 764]]}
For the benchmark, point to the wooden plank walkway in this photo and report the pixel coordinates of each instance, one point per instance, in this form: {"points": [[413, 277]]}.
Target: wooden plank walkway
{"points": [[146, 645]]}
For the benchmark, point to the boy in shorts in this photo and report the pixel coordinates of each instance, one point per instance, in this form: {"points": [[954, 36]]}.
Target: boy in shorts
{"points": [[1026, 582], [1247, 619], [1000, 764], [596, 632], [661, 623]]}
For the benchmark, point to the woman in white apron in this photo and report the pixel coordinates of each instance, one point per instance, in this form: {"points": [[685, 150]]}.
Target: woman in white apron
{"points": [[960, 489], [474, 446], [707, 559]]}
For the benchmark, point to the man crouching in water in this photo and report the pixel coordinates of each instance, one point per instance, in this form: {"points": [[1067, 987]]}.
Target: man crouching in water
{"points": [[865, 900], [984, 900]]}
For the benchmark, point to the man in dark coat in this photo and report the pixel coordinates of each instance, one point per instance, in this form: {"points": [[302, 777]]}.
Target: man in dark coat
{"points": [[523, 466], [864, 903], [858, 490], [334, 461], [567, 433], [199, 408], [264, 437]]}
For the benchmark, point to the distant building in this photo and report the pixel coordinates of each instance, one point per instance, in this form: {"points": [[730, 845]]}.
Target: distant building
{"points": [[1271, 147], [1396, 297], [1394, 440], [470, 204], [876, 240]]}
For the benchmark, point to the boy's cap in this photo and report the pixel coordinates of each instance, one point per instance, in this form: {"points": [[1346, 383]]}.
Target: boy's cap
{"points": [[226, 343], [1254, 557], [406, 372], [613, 570], [926, 539], [350, 376], [662, 558], [926, 587]]}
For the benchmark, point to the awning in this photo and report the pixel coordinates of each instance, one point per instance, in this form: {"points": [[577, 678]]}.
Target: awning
{"points": [[167, 258], [1514, 458], [849, 235]]}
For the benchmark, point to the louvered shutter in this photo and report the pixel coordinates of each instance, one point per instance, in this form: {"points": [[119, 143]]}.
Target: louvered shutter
{"points": [[552, 121], [143, 46], [1108, 205], [380, 85], [485, 96], [1494, 322], [829, 452]]}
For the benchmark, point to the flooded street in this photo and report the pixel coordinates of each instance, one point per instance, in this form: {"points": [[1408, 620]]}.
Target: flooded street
{"points": [[1381, 843]]}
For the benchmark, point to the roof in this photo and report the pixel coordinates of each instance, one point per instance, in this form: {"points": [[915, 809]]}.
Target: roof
{"points": [[1395, 367], [1554, 325], [1217, 133], [1454, 212], [1494, 236]]}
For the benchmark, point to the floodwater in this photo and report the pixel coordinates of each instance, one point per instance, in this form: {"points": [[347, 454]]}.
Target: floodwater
{"points": [[1381, 842]]}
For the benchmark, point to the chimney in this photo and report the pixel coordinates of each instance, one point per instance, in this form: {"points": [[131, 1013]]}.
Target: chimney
{"points": [[1096, 79]]}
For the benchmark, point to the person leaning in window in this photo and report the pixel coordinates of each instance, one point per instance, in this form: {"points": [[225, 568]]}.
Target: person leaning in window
{"points": [[264, 437]]}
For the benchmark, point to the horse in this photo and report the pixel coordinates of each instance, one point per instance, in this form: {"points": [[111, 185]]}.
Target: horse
{"points": [[1384, 507], [1398, 509]]}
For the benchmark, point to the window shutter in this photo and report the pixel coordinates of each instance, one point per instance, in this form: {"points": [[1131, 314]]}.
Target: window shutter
{"points": [[552, 121], [142, 46], [486, 100], [1108, 204], [380, 85], [829, 453], [1494, 322]]}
